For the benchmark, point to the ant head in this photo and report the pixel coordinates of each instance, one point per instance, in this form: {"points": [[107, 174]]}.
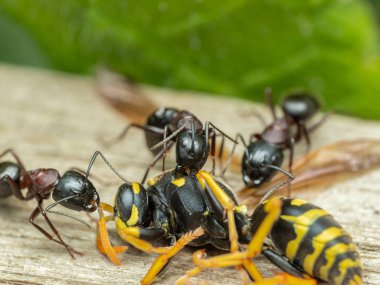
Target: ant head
{"points": [[45, 179], [162, 117], [300, 106], [182, 119], [80, 193], [258, 160], [191, 152]]}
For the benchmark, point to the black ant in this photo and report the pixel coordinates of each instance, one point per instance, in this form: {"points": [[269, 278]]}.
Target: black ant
{"points": [[40, 183], [263, 156], [165, 123]]}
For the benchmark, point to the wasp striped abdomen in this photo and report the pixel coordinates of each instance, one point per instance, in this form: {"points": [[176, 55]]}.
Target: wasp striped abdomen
{"points": [[314, 242]]}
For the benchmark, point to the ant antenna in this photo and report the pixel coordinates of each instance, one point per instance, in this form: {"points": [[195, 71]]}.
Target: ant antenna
{"points": [[47, 209], [71, 217], [107, 162], [172, 135], [219, 130], [279, 185]]}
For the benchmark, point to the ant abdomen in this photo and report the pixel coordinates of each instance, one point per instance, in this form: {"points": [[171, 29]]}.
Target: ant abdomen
{"points": [[13, 171], [300, 106]]}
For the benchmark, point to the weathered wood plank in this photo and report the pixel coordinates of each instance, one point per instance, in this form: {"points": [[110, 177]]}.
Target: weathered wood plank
{"points": [[55, 120]]}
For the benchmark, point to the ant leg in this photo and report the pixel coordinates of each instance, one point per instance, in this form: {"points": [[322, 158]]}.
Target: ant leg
{"points": [[320, 122], [220, 155], [212, 151], [155, 160], [125, 131], [306, 134], [33, 216], [16, 157], [269, 97], [161, 261], [229, 160], [15, 188], [291, 156], [164, 149]]}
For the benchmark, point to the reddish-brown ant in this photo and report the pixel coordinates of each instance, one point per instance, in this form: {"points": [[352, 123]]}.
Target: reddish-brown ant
{"points": [[263, 156], [39, 184]]}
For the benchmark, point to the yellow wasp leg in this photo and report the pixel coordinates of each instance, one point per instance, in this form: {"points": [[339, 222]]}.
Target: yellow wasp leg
{"points": [[160, 262], [226, 203], [131, 235], [105, 242], [273, 210]]}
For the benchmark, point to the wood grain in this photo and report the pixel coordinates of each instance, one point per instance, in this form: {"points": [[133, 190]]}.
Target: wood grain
{"points": [[55, 120]]}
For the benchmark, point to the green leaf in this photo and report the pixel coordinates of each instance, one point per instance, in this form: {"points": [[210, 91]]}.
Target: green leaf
{"points": [[234, 47]]}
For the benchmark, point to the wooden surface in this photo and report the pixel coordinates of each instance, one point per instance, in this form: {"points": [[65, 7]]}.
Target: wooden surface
{"points": [[55, 120]]}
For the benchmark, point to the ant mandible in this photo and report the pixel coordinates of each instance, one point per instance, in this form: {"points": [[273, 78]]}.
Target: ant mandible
{"points": [[40, 183]]}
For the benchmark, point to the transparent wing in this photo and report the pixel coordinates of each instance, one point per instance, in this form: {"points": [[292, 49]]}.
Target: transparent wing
{"points": [[325, 165], [124, 96]]}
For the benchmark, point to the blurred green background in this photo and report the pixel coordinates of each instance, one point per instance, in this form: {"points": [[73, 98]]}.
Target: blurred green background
{"points": [[231, 47]]}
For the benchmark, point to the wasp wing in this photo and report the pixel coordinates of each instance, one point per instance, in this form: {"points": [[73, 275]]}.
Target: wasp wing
{"points": [[322, 166], [124, 96]]}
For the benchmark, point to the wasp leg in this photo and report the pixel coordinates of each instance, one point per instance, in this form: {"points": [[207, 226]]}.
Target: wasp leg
{"points": [[161, 261], [117, 249], [227, 203], [135, 235], [281, 262], [105, 244], [237, 259]]}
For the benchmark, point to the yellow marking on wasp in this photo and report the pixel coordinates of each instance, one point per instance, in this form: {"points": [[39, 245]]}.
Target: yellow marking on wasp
{"points": [[301, 226], [330, 255], [319, 243], [201, 181], [206, 213], [179, 182], [136, 188], [122, 227], [297, 202], [357, 279], [154, 180], [242, 209], [134, 216], [343, 266]]}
